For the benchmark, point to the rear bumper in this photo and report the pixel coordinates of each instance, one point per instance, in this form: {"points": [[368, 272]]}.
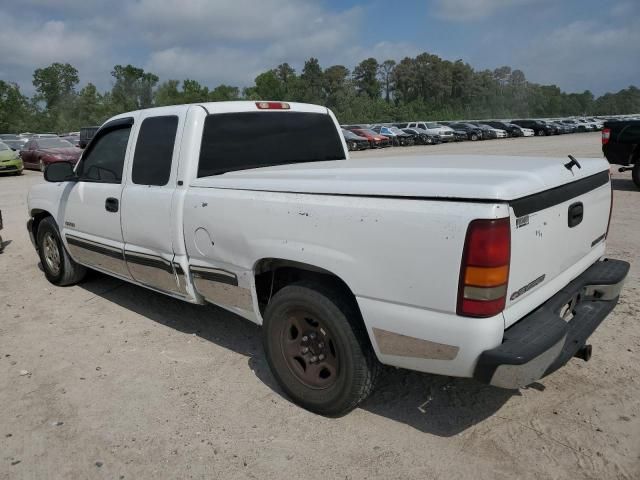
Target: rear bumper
{"points": [[543, 341]]}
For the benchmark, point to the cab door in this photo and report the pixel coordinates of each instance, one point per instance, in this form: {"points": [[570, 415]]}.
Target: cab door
{"points": [[149, 223], [92, 205]]}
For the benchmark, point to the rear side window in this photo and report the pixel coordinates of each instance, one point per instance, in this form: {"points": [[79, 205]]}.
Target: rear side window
{"points": [[154, 151], [239, 141]]}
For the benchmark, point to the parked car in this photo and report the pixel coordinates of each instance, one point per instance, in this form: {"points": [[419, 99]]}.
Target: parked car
{"points": [[446, 133], [423, 137], [409, 138], [621, 146], [41, 151], [473, 133], [10, 161], [355, 142], [397, 137], [526, 132], [489, 132], [510, 129], [539, 127], [375, 139], [465, 266], [86, 134], [14, 142], [578, 126]]}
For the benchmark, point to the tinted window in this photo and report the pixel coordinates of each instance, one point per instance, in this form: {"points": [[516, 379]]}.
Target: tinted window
{"points": [[630, 134], [105, 160], [238, 141], [154, 150]]}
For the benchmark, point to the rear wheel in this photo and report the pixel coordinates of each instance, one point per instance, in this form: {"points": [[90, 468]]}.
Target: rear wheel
{"points": [[58, 266], [317, 348], [474, 137], [541, 133], [635, 174]]}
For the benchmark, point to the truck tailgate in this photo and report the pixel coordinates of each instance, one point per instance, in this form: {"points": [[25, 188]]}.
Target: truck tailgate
{"points": [[556, 235]]}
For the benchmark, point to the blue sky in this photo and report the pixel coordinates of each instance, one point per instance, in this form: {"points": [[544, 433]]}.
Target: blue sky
{"points": [[575, 44]]}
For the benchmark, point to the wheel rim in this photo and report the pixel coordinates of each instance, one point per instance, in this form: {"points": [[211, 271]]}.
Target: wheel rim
{"points": [[51, 253], [309, 350]]}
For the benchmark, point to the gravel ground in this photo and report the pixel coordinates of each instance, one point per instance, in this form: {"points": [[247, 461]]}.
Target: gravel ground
{"points": [[109, 380]]}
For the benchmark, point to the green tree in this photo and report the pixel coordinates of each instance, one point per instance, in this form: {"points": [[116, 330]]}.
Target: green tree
{"points": [[365, 76], [133, 88], [224, 93], [385, 73], [14, 108], [55, 82], [311, 81]]}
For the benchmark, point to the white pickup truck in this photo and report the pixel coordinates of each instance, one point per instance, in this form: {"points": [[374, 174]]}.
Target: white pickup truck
{"points": [[483, 267]]}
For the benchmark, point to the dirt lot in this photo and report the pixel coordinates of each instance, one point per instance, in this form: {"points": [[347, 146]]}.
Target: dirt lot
{"points": [[109, 380]]}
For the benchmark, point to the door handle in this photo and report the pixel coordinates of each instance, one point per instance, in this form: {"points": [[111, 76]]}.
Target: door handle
{"points": [[111, 204]]}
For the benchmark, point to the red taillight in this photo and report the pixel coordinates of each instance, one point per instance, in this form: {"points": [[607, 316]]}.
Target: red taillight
{"points": [[610, 206], [273, 105], [484, 272], [606, 135]]}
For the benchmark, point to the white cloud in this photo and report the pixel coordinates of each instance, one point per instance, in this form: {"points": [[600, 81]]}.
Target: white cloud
{"points": [[469, 10], [170, 21], [585, 55]]}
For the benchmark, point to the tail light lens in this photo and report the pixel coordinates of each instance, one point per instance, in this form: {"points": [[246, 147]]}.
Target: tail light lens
{"points": [[484, 273], [606, 135]]}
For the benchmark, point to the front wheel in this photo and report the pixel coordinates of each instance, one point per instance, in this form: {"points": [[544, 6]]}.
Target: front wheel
{"points": [[317, 348], [58, 266], [474, 137], [541, 133]]}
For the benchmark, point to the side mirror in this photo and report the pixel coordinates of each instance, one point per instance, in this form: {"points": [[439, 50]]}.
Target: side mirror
{"points": [[59, 172]]}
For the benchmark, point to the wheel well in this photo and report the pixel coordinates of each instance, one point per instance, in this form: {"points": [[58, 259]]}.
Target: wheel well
{"points": [[273, 274], [38, 216]]}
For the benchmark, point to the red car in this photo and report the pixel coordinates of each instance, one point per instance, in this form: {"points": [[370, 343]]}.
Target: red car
{"points": [[375, 139], [40, 152]]}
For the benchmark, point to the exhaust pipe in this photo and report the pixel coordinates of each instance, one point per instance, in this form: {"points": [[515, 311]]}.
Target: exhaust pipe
{"points": [[625, 169], [584, 353]]}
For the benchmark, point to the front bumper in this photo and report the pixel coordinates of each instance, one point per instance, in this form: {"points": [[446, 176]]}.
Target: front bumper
{"points": [[544, 341], [11, 166]]}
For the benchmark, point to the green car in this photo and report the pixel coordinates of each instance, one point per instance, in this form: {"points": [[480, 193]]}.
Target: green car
{"points": [[10, 161]]}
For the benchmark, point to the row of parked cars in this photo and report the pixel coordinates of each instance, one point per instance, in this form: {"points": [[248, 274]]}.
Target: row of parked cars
{"points": [[360, 137], [37, 150]]}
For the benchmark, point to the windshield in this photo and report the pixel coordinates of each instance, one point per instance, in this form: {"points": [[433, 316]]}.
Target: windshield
{"points": [[53, 143]]}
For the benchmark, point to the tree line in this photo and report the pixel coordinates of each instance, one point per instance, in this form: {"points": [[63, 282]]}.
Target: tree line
{"points": [[424, 87]]}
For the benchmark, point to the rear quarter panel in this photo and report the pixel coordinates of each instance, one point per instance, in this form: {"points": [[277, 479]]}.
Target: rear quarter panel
{"points": [[398, 250]]}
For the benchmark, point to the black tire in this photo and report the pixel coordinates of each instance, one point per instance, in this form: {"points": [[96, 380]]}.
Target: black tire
{"points": [[50, 247], [351, 376], [635, 174]]}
